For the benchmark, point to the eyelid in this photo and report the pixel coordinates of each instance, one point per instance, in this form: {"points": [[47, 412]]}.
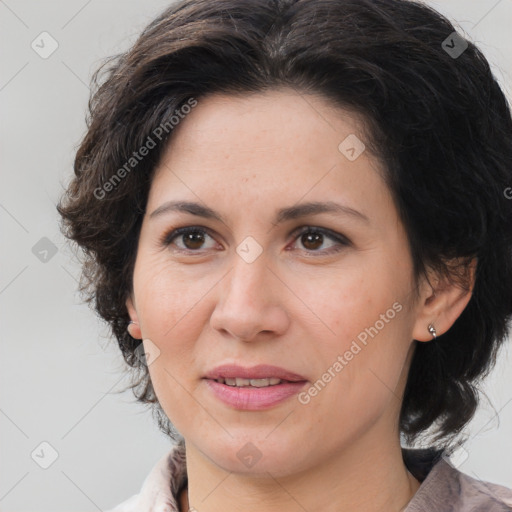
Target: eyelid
{"points": [[339, 238], [173, 233]]}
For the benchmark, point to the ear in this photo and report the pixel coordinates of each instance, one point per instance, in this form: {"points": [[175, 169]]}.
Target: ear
{"points": [[442, 302], [134, 329]]}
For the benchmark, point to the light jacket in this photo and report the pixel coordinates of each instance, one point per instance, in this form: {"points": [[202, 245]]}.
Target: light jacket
{"points": [[443, 487]]}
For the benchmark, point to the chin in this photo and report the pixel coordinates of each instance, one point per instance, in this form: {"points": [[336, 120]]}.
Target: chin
{"points": [[254, 454]]}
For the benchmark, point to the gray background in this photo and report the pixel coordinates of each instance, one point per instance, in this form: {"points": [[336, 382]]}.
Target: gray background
{"points": [[59, 371]]}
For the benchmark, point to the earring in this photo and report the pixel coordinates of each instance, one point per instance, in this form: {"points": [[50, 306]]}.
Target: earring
{"points": [[432, 330]]}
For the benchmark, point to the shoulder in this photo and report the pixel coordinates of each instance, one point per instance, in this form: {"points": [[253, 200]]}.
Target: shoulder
{"points": [[162, 485], [446, 488]]}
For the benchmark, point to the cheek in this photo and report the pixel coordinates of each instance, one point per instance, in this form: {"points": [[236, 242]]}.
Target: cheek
{"points": [[363, 340], [346, 301], [170, 309], [168, 301]]}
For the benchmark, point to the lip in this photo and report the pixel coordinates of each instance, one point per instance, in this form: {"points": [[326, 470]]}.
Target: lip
{"points": [[261, 371], [253, 398]]}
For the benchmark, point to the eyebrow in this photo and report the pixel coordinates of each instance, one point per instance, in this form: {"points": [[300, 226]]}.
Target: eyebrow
{"points": [[284, 214]]}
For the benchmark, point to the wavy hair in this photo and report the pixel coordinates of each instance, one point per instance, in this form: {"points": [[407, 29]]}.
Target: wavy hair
{"points": [[434, 113]]}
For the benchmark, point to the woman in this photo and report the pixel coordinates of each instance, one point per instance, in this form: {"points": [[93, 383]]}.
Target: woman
{"points": [[296, 222]]}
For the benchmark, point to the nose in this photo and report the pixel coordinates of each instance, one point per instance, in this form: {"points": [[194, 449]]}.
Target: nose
{"points": [[250, 304]]}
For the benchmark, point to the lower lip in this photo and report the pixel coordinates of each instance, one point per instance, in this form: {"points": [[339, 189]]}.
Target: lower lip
{"points": [[252, 398]]}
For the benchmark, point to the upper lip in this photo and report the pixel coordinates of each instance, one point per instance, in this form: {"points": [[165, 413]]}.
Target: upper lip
{"points": [[261, 371]]}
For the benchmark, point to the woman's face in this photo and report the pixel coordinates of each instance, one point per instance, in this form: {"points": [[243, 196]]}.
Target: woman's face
{"points": [[334, 305]]}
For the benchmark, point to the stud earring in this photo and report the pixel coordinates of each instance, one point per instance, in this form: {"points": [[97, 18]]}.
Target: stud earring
{"points": [[432, 330]]}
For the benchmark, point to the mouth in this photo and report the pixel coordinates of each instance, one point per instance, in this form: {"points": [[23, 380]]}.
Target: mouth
{"points": [[255, 388], [251, 383], [257, 376]]}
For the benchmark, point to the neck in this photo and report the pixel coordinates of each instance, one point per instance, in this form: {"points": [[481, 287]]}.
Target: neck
{"points": [[375, 480]]}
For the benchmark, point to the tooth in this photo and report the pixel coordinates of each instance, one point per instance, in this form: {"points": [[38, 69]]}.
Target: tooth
{"points": [[259, 383], [241, 382]]}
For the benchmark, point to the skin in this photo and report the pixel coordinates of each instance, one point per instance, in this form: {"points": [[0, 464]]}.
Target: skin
{"points": [[298, 305]]}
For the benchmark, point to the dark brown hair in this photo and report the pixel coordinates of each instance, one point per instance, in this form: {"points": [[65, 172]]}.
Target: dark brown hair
{"points": [[435, 114]]}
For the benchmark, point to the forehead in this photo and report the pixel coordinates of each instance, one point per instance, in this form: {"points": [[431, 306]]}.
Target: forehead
{"points": [[277, 146], [261, 122]]}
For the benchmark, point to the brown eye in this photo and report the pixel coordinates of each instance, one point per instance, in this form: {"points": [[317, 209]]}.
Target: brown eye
{"points": [[192, 238], [312, 241], [312, 238]]}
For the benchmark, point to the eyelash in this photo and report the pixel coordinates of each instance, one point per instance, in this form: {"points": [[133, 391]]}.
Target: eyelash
{"points": [[343, 242]]}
